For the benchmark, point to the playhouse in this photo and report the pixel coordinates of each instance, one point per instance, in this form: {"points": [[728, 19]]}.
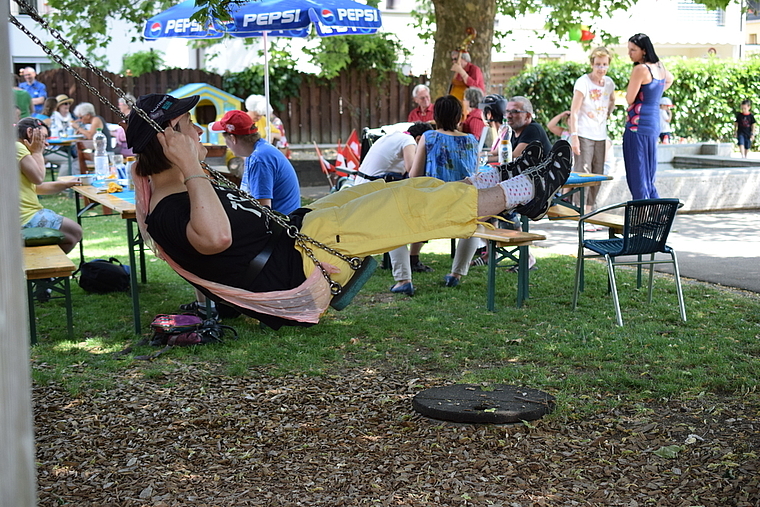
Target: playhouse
{"points": [[212, 106]]}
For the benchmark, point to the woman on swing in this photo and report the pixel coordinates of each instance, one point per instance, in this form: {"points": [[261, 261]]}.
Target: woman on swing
{"points": [[235, 251]]}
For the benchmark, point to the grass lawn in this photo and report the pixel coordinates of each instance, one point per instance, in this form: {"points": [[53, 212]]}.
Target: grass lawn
{"points": [[543, 345]]}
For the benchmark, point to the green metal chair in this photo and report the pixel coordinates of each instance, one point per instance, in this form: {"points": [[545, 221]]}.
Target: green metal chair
{"points": [[646, 229]]}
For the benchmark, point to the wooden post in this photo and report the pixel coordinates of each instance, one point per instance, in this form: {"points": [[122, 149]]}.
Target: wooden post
{"points": [[17, 475]]}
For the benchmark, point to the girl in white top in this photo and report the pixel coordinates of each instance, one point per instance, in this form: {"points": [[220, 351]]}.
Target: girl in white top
{"points": [[593, 102]]}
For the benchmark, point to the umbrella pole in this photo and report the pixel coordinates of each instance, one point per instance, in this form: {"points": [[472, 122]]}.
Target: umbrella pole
{"points": [[266, 88]]}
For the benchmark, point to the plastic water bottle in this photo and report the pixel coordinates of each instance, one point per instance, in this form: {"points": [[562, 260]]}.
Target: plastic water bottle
{"points": [[119, 167], [505, 151], [102, 169]]}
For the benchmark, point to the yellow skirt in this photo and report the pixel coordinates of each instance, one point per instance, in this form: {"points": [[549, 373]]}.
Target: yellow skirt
{"points": [[376, 217]]}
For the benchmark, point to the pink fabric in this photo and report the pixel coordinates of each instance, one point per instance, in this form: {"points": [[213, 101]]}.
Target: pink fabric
{"points": [[305, 303]]}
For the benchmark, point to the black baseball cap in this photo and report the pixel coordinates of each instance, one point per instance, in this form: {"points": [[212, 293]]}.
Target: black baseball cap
{"points": [[160, 108]]}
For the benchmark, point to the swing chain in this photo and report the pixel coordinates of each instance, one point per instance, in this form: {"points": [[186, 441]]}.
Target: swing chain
{"points": [[66, 44], [302, 240]]}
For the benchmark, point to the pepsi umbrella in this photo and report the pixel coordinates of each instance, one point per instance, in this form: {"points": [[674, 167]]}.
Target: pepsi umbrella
{"points": [[277, 18]]}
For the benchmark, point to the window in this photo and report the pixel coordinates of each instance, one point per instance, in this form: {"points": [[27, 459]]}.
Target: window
{"points": [[17, 10], [691, 12], [752, 38]]}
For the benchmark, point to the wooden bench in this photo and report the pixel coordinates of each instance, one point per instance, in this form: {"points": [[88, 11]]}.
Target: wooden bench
{"points": [[613, 222], [506, 242], [47, 267]]}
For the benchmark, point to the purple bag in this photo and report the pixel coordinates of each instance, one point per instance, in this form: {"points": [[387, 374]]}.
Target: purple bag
{"points": [[186, 329]]}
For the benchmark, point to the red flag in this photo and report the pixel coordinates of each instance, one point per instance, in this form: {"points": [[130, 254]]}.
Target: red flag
{"points": [[326, 166], [354, 144], [346, 160]]}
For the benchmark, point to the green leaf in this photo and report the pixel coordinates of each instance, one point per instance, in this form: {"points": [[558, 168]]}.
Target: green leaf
{"points": [[668, 451]]}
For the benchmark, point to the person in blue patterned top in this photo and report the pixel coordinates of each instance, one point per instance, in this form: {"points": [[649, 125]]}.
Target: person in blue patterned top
{"points": [[446, 153]]}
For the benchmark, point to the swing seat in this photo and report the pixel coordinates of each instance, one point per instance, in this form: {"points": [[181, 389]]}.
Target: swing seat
{"points": [[354, 285]]}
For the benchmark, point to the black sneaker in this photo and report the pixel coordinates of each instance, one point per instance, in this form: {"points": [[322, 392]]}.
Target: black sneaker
{"points": [[548, 177], [419, 267], [532, 155]]}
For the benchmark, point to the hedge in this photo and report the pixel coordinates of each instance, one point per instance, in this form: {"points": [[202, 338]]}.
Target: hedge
{"points": [[706, 93]]}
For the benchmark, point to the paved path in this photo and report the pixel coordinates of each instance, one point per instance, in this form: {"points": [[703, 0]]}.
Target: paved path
{"points": [[721, 248]]}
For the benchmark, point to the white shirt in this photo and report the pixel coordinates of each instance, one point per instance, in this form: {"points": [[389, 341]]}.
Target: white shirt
{"points": [[592, 118], [386, 156]]}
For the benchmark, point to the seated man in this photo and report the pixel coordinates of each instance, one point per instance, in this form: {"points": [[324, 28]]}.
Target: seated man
{"points": [[30, 144], [269, 176], [223, 242], [394, 153]]}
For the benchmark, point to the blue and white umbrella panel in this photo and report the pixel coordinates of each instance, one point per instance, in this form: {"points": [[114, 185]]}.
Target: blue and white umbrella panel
{"points": [[268, 18]]}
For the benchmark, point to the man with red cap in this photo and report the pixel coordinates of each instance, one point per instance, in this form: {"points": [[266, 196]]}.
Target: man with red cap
{"points": [[269, 175]]}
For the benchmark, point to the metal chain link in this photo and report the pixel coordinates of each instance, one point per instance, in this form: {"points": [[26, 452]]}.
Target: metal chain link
{"points": [[301, 239], [292, 231]]}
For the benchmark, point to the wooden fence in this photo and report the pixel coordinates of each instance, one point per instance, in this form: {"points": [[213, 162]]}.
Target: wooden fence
{"points": [[60, 81], [324, 111]]}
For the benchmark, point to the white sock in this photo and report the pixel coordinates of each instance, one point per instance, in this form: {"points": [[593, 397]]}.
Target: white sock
{"points": [[518, 190], [485, 179]]}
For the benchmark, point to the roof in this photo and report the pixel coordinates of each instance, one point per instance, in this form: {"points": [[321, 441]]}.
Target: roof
{"points": [[223, 100]]}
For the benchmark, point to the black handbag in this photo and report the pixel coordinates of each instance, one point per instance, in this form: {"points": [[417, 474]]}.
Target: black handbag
{"points": [[102, 276]]}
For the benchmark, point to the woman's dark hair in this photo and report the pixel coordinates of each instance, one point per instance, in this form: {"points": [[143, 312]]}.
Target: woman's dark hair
{"points": [[494, 106], [642, 41], [152, 159], [447, 112], [419, 128], [49, 107], [26, 123]]}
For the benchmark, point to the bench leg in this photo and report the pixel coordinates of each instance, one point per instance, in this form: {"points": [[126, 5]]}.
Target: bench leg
{"points": [[133, 276], [523, 276], [491, 291], [69, 310]]}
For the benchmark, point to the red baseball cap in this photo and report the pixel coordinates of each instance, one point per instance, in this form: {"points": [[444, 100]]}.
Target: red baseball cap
{"points": [[235, 122]]}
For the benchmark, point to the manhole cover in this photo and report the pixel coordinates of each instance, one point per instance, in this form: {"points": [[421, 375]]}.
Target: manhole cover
{"points": [[471, 404]]}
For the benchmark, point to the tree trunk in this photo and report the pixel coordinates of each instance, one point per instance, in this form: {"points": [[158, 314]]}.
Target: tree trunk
{"points": [[452, 18]]}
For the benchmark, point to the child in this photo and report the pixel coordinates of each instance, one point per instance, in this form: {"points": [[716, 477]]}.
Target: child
{"points": [[745, 128], [666, 116], [559, 130]]}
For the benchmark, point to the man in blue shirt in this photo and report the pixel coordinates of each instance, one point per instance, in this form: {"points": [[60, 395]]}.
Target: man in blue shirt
{"points": [[37, 90], [268, 176]]}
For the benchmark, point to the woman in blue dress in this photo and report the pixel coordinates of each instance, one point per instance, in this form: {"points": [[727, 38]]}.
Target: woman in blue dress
{"points": [[449, 155], [649, 79], [446, 153]]}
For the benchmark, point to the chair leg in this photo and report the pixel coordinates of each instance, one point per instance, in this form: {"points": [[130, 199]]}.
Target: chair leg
{"points": [[681, 304], [638, 273], [613, 288], [651, 277], [579, 265]]}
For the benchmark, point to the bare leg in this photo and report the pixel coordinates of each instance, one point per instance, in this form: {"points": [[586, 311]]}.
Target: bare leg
{"points": [[72, 234], [415, 248], [491, 201]]}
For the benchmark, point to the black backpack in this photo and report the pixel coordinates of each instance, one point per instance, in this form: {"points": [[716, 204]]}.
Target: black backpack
{"points": [[103, 276]]}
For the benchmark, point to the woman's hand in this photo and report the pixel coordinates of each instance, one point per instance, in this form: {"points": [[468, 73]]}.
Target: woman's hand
{"points": [[36, 140], [181, 150]]}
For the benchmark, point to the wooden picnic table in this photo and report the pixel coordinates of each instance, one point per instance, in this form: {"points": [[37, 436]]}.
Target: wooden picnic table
{"points": [[122, 203]]}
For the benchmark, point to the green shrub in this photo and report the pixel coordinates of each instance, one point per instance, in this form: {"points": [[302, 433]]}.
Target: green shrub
{"points": [[705, 92]]}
